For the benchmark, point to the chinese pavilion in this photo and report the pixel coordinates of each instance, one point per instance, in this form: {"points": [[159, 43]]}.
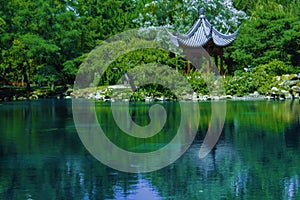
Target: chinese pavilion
{"points": [[203, 34]]}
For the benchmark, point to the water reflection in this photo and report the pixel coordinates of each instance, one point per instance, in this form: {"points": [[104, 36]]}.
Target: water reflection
{"points": [[142, 189], [257, 157], [291, 187]]}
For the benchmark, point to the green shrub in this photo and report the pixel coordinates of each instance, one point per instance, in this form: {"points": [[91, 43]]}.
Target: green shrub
{"points": [[274, 68], [260, 79], [240, 84], [198, 83]]}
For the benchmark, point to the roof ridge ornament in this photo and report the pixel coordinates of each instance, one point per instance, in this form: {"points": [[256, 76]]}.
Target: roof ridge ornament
{"points": [[202, 10]]}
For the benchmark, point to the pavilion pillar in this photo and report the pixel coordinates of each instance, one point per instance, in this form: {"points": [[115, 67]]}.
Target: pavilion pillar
{"points": [[222, 71], [208, 64], [188, 67], [216, 58]]}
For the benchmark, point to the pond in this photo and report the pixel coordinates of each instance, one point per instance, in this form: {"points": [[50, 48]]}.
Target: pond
{"points": [[256, 157]]}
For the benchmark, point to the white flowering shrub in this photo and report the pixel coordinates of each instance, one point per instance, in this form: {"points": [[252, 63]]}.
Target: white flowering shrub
{"points": [[182, 14]]}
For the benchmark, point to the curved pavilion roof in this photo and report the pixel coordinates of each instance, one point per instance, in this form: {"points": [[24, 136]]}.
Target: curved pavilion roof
{"points": [[201, 32]]}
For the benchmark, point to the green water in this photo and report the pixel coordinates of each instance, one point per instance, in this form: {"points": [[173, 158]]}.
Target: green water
{"points": [[257, 156]]}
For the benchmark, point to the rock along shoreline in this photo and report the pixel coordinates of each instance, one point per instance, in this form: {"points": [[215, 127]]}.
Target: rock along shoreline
{"points": [[287, 87], [109, 95]]}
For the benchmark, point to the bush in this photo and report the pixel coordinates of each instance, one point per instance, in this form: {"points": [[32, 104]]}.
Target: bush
{"points": [[240, 84], [274, 68], [198, 82], [260, 79]]}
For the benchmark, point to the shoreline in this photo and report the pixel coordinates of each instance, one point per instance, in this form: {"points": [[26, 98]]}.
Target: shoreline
{"points": [[283, 87], [67, 93]]}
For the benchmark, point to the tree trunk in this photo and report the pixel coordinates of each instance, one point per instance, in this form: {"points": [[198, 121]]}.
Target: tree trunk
{"points": [[52, 86], [27, 80]]}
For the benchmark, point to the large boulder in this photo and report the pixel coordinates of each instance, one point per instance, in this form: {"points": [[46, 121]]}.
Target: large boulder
{"points": [[274, 90], [296, 89], [293, 77], [285, 77], [289, 77]]}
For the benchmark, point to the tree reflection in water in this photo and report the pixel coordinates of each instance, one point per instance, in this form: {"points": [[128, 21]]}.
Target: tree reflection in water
{"points": [[257, 156]]}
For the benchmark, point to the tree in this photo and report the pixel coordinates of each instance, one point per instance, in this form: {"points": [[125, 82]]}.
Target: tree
{"points": [[28, 53], [49, 75], [34, 30], [266, 36], [183, 14], [290, 7], [26, 42], [70, 68]]}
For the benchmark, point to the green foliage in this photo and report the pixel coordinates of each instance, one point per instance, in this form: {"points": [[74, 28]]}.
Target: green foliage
{"points": [[2, 25], [239, 84], [47, 74], [153, 91], [70, 67], [133, 59], [183, 14], [160, 81], [290, 7], [271, 33], [37, 34], [274, 68], [261, 79], [198, 83], [30, 46], [57, 33]]}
